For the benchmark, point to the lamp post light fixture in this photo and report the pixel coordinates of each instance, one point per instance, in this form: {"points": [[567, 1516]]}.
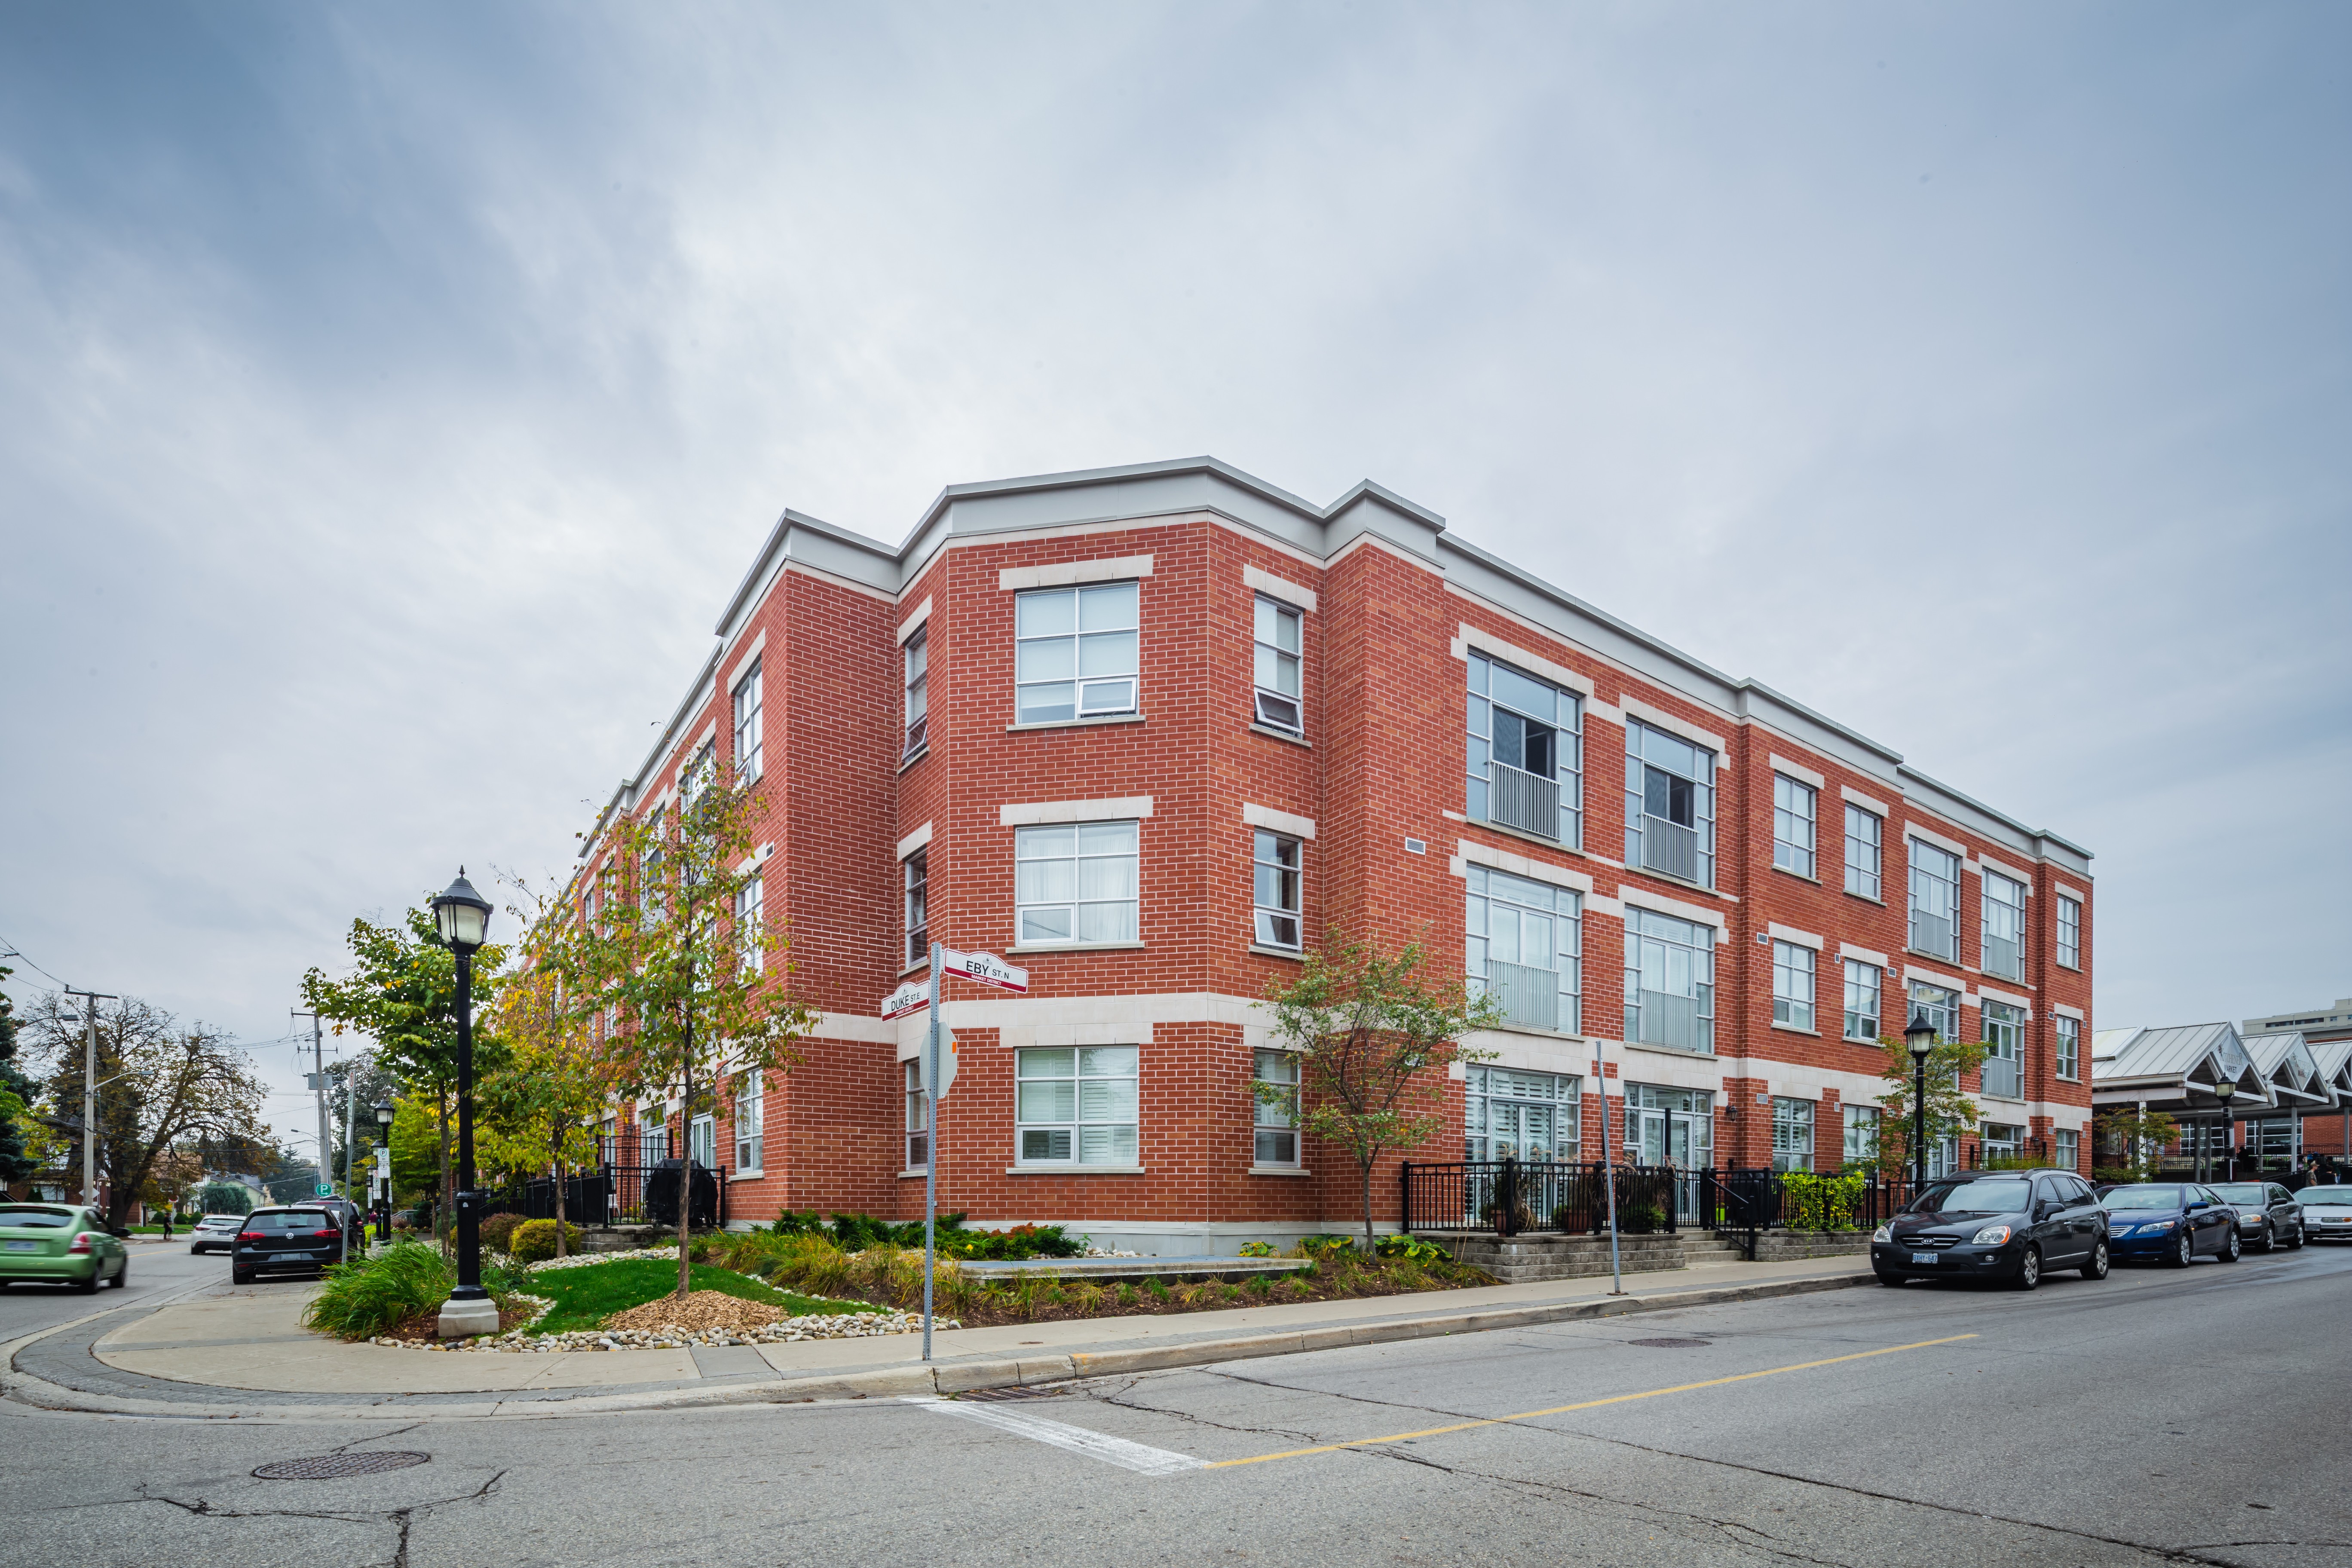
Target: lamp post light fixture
{"points": [[1921, 1039], [382, 1204], [2225, 1091], [463, 916]]}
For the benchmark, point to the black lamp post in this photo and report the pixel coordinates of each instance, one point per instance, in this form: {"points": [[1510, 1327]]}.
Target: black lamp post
{"points": [[2225, 1091], [464, 918], [383, 1204], [1921, 1039]]}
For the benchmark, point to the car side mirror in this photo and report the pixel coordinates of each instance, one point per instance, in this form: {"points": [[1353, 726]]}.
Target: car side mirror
{"points": [[2192, 1208]]}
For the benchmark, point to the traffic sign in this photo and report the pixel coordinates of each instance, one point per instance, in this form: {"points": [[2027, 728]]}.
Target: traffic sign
{"points": [[947, 1068], [910, 997], [325, 1190], [986, 968]]}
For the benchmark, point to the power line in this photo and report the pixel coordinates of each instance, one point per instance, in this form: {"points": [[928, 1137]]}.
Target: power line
{"points": [[16, 952]]}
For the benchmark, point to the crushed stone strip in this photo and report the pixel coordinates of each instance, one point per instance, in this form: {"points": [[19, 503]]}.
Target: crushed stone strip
{"points": [[814, 1326]]}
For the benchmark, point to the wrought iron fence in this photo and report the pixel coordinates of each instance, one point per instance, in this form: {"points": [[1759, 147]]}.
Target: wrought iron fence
{"points": [[616, 1193]]}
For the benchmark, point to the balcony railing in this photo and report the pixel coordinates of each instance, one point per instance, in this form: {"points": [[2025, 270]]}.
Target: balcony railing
{"points": [[2004, 1077], [2002, 958], [1671, 848], [1527, 995], [1528, 801], [1671, 1020], [1933, 933]]}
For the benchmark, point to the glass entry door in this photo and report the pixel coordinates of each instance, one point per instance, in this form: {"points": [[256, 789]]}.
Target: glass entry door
{"points": [[1671, 1127]]}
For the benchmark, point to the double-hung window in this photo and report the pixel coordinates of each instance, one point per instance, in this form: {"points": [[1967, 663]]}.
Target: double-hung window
{"points": [[1861, 1133], [1792, 1134], [746, 726], [1274, 889], [1864, 836], [1274, 1119], [1792, 825], [2004, 1061], [1669, 981], [1074, 882], [917, 659], [2065, 1147], [1669, 804], [1934, 901], [1273, 655], [1526, 754], [2069, 932], [1861, 1000], [750, 941], [2070, 1047], [1522, 946], [916, 872], [1793, 985], [1075, 653], [919, 1119], [1075, 1105], [747, 1124], [2004, 927]]}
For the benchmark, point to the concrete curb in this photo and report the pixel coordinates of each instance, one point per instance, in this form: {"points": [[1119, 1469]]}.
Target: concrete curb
{"points": [[941, 1377]]}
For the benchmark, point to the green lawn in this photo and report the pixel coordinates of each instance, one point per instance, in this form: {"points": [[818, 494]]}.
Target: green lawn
{"points": [[584, 1297]]}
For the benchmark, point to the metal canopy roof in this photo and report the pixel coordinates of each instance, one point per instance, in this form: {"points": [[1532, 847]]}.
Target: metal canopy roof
{"points": [[2175, 1068], [2286, 1059]]}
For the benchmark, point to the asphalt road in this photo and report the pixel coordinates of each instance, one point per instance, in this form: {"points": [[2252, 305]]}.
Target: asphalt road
{"points": [[158, 1269], [2159, 1416]]}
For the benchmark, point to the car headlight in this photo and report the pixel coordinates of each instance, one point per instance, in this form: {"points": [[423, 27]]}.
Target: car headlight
{"points": [[1884, 1232], [1991, 1236], [2159, 1228]]}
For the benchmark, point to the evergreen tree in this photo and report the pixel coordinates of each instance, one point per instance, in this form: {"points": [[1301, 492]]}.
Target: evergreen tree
{"points": [[16, 1093]]}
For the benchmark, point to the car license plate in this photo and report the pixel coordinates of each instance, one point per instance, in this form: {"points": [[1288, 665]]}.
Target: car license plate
{"points": [[24, 1247], [1924, 1256]]}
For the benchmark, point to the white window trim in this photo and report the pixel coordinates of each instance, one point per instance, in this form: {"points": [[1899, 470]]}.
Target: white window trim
{"points": [[1070, 574], [1043, 813], [1876, 808], [1659, 904], [1657, 719], [1469, 639], [2063, 1010], [1929, 836], [1275, 587], [1800, 772], [1021, 1166], [915, 622], [1998, 868], [1467, 854], [1790, 934], [918, 839], [1812, 852], [1275, 821], [1847, 950]]}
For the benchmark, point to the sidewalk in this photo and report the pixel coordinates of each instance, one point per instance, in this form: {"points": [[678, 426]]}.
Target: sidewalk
{"points": [[232, 1348]]}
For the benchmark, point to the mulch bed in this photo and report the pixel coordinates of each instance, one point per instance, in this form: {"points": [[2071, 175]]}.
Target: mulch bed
{"points": [[1002, 1306]]}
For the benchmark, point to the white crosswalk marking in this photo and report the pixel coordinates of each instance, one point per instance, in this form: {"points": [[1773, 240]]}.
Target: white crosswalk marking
{"points": [[1137, 1456]]}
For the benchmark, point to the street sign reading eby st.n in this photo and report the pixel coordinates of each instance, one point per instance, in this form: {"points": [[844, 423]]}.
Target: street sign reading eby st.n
{"points": [[986, 968]]}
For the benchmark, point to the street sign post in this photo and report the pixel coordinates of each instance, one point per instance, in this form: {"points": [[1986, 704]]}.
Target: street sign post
{"points": [[324, 1190], [987, 969], [945, 1070]]}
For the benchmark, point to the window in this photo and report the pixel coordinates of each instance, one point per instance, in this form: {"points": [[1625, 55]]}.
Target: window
{"points": [[1861, 1134], [1074, 882], [1941, 1007], [1792, 985], [748, 942], [917, 870], [1274, 665], [1792, 825], [2069, 932], [1521, 942], [1934, 901], [1075, 653], [1273, 884], [918, 658], [748, 1123], [919, 1119], [1669, 804], [1077, 1105], [2002, 1141], [1527, 753], [2004, 927], [1861, 1000], [1865, 833], [702, 1141], [1506, 1113], [1792, 1134], [2004, 1062], [2065, 1149], [2070, 1047], [698, 775], [1273, 1092], [746, 726], [1669, 981]]}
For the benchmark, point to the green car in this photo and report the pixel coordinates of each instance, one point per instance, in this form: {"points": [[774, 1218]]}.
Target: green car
{"points": [[62, 1244]]}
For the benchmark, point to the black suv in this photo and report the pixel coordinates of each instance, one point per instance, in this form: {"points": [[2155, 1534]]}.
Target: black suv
{"points": [[2014, 1225], [286, 1238]]}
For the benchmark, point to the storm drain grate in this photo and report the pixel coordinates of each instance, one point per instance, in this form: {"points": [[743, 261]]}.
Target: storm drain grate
{"points": [[333, 1467], [1670, 1344], [1015, 1393]]}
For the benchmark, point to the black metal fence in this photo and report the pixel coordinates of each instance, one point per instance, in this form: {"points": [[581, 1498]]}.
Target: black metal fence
{"points": [[616, 1193]]}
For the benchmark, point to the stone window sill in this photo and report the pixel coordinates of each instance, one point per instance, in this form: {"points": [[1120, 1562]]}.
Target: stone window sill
{"points": [[915, 968], [1077, 947], [1558, 847], [918, 1172], [916, 756], [1076, 723], [1296, 955], [1799, 876], [1074, 1170], [1270, 730], [1506, 1026], [1865, 898], [1792, 1029], [747, 1176], [1280, 1171], [1670, 1052], [1634, 870]]}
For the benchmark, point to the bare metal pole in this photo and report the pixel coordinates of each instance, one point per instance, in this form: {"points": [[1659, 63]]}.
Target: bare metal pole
{"points": [[1609, 1172], [932, 1165], [89, 1091]]}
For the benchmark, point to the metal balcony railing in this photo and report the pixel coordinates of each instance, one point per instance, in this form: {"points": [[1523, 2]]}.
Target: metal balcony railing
{"points": [[1526, 996], [1528, 801], [2004, 1077], [1671, 848]]}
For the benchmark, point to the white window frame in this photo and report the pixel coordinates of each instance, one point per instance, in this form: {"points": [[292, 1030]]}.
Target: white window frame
{"points": [[751, 1124], [1927, 876], [1566, 722], [1640, 741], [750, 915], [1272, 705], [1865, 841], [1276, 898], [1792, 1117], [750, 746], [1562, 1093], [1106, 631], [914, 904], [1792, 985], [2069, 932], [1090, 847], [919, 1118], [1920, 993], [2066, 1149], [2010, 1147], [1645, 928], [1274, 1123], [1864, 999], [1520, 898], [915, 659], [2003, 902], [1862, 1123], [1794, 807], [698, 775], [2068, 1048], [1095, 1121], [2002, 1025], [702, 1140]]}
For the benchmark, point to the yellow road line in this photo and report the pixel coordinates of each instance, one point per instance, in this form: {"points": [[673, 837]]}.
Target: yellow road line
{"points": [[1589, 1404]]}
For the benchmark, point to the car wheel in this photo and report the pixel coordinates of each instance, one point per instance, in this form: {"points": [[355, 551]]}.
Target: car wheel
{"points": [[2232, 1249], [122, 1275], [2268, 1237], [2097, 1268], [2296, 1245], [88, 1287], [239, 1276], [2184, 1251], [2029, 1269], [1886, 1278]]}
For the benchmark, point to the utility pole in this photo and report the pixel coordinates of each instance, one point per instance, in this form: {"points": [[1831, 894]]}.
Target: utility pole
{"points": [[319, 1089], [89, 1091]]}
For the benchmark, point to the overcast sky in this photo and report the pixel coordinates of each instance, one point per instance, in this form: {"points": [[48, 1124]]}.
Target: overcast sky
{"points": [[390, 396]]}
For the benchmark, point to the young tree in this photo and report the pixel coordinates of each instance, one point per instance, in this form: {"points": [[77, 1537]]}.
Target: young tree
{"points": [[1374, 1037], [688, 989], [2130, 1142], [1950, 1112], [541, 1107]]}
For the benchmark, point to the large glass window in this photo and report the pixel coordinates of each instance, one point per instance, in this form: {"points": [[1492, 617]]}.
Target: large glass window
{"points": [[1941, 1007], [1508, 1113], [917, 871], [1861, 1134], [2070, 1047], [917, 659], [1669, 981], [1861, 1000], [1865, 835], [746, 726], [1274, 665], [919, 1119], [2002, 1141], [1274, 1119], [1793, 985], [702, 1141], [2065, 1149], [1792, 825], [1075, 653], [2069, 932], [748, 943], [698, 775], [1527, 753], [1934, 901], [2004, 927], [2004, 1062], [1522, 942], [749, 1119], [1076, 882], [1669, 804], [1077, 1105], [1792, 1134], [1274, 889]]}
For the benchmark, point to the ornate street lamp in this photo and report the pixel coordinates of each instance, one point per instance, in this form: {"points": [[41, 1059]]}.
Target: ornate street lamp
{"points": [[1921, 1039], [383, 1204], [2225, 1091], [464, 918]]}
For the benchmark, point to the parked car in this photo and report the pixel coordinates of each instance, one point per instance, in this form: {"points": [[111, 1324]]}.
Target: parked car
{"points": [[2327, 1212], [2171, 1222], [216, 1233], [281, 1238], [61, 1243], [1995, 1225], [2268, 1214]]}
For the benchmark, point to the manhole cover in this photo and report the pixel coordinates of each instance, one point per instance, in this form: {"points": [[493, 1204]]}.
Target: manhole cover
{"points": [[1009, 1394], [1670, 1344], [332, 1466]]}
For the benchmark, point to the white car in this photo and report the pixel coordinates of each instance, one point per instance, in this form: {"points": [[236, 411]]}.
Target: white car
{"points": [[216, 1233], [2327, 1212]]}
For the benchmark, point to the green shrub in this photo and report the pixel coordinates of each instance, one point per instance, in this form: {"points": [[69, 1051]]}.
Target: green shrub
{"points": [[1819, 1203], [1254, 1250], [1412, 1246], [497, 1231], [373, 1295], [534, 1240], [798, 1222], [1326, 1245]]}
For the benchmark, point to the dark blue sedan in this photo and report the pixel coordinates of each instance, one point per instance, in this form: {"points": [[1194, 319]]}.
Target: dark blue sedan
{"points": [[2171, 1222]]}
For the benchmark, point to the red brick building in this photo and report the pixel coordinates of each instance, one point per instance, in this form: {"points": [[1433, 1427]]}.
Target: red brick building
{"points": [[1145, 731]]}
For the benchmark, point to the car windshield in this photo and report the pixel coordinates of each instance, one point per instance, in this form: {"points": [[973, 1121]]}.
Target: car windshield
{"points": [[2241, 1192], [35, 1219], [2325, 1196], [2143, 1197], [1972, 1198]]}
